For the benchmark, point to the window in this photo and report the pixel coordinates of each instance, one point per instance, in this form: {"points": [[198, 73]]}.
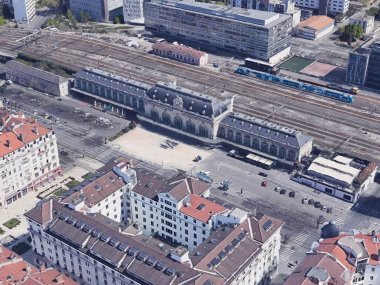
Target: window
{"points": [[154, 115], [247, 140], [178, 123], [190, 127], [230, 134], [238, 138], [166, 119]]}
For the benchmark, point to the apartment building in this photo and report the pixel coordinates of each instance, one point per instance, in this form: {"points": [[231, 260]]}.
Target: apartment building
{"points": [[96, 253], [363, 20], [324, 7], [36, 78], [108, 193], [24, 10], [258, 34], [133, 11], [16, 271], [28, 156]]}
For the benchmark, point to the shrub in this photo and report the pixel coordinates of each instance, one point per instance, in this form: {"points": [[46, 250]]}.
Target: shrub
{"points": [[10, 224]]}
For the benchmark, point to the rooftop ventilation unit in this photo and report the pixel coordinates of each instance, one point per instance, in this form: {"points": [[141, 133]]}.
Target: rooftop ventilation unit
{"points": [[170, 271], [160, 266], [142, 256], [122, 247], [150, 261], [132, 251]]}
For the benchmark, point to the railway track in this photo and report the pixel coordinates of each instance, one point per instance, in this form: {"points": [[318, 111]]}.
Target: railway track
{"points": [[350, 116]]}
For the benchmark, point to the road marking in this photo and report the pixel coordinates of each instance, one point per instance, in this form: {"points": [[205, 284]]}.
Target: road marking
{"points": [[286, 253]]}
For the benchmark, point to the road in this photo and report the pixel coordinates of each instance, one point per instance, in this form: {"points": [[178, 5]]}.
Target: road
{"points": [[300, 219]]}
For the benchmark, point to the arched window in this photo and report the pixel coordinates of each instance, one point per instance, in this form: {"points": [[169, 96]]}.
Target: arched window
{"points": [[203, 132], [273, 149], [255, 143], [190, 127], [247, 140], [154, 115], [264, 146], [292, 155], [221, 132], [166, 119], [282, 152], [230, 134], [238, 138], [178, 123]]}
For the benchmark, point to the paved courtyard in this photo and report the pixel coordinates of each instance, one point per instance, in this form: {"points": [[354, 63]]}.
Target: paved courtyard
{"points": [[153, 147]]}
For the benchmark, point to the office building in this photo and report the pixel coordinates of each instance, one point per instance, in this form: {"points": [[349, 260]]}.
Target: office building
{"points": [[36, 78], [181, 53], [315, 27], [192, 114], [98, 10], [357, 66], [363, 20], [28, 156], [133, 11], [343, 176], [16, 271], [98, 251], [258, 34], [24, 10], [276, 6], [325, 7]]}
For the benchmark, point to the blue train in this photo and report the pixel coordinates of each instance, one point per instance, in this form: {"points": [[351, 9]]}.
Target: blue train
{"points": [[321, 91]]}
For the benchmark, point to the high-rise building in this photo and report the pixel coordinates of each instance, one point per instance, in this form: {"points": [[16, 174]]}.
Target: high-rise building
{"points": [[323, 7], [24, 10], [373, 71], [363, 65], [28, 156], [259, 34]]}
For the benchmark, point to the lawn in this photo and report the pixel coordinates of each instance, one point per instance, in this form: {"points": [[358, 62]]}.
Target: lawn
{"points": [[88, 175], [12, 223], [72, 183], [60, 191]]}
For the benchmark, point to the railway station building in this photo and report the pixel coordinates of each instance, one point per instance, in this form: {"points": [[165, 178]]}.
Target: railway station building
{"points": [[343, 176], [190, 113], [36, 78], [265, 137], [258, 34]]}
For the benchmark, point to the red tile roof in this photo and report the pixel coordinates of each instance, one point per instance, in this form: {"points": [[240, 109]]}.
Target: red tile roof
{"points": [[316, 22], [15, 271], [200, 208], [16, 130], [179, 49]]}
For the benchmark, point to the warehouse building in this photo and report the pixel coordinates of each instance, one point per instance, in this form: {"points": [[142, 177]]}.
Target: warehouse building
{"points": [[343, 176], [36, 78], [205, 118], [315, 27], [262, 35], [181, 53]]}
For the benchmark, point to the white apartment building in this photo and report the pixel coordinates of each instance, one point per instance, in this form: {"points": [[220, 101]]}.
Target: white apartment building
{"points": [[87, 248], [332, 7], [24, 10], [28, 156], [107, 193], [133, 11], [365, 21]]}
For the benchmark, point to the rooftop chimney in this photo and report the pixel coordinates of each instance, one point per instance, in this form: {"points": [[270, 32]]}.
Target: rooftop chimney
{"points": [[59, 278], [7, 143], [42, 268], [28, 268]]}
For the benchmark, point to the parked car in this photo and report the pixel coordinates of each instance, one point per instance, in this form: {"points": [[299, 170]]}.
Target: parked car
{"points": [[203, 176], [264, 183], [311, 202], [317, 204], [283, 191], [277, 189], [197, 158], [292, 194], [304, 200], [324, 208], [263, 174]]}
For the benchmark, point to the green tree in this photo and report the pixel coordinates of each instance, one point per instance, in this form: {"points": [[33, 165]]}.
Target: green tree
{"points": [[72, 19], [84, 17], [2, 21], [351, 33]]}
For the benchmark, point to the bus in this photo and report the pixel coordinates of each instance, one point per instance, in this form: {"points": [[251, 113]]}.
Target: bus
{"points": [[259, 161]]}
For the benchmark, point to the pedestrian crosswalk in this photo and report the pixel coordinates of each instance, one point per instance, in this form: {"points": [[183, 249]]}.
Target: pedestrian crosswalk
{"points": [[302, 237], [286, 253], [339, 221], [374, 227]]}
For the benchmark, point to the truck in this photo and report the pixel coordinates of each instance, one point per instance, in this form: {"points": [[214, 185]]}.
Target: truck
{"points": [[236, 154]]}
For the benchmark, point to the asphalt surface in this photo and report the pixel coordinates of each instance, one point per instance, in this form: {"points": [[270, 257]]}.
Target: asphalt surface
{"points": [[300, 219]]}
